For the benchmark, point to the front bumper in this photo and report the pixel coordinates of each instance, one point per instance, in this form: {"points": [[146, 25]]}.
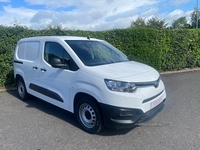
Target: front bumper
{"points": [[119, 118]]}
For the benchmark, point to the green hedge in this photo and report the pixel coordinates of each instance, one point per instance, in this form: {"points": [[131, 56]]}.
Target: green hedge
{"points": [[163, 49]]}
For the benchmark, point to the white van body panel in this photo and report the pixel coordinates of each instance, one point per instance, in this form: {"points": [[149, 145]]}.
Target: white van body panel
{"points": [[133, 72]]}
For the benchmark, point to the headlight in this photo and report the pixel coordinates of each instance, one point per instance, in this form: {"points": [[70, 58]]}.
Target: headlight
{"points": [[120, 86]]}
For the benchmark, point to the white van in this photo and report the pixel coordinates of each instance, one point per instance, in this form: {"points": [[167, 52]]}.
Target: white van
{"points": [[90, 78]]}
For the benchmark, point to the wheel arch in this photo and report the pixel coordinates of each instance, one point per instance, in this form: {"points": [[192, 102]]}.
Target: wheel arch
{"points": [[80, 95], [99, 125], [17, 77]]}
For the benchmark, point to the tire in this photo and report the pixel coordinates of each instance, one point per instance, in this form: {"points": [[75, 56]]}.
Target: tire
{"points": [[21, 89], [88, 115]]}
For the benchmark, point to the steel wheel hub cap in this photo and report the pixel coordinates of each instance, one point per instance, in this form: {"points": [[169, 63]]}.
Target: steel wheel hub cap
{"points": [[87, 115], [21, 90]]}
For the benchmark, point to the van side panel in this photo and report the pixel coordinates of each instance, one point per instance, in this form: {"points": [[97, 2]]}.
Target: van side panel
{"points": [[25, 59]]}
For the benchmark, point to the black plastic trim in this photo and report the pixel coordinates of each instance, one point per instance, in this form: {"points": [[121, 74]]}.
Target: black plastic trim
{"points": [[149, 114], [119, 117], [151, 83], [19, 62], [114, 117], [149, 99], [46, 92]]}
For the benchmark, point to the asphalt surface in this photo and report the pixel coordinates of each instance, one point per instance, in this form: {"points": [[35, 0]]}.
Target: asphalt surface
{"points": [[37, 125]]}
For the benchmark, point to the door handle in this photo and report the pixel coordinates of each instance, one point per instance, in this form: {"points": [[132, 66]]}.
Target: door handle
{"points": [[35, 67], [43, 69]]}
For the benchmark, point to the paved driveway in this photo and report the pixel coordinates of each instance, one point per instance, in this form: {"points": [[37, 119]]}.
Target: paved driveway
{"points": [[37, 125]]}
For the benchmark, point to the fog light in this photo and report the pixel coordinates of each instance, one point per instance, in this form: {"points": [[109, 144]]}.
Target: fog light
{"points": [[127, 113]]}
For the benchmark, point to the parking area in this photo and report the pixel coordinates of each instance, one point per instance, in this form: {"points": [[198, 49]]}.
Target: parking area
{"points": [[37, 125]]}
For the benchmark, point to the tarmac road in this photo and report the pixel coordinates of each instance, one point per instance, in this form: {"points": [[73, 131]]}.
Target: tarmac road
{"points": [[37, 125]]}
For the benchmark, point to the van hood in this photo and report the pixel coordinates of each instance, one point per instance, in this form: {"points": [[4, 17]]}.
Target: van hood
{"points": [[129, 71]]}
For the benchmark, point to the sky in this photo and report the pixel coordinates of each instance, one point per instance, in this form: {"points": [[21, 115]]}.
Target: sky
{"points": [[94, 15]]}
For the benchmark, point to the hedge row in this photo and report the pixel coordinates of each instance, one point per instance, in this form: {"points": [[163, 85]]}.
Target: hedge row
{"points": [[162, 49]]}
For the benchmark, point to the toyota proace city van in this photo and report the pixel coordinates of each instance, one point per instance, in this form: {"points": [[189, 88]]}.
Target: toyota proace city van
{"points": [[90, 78]]}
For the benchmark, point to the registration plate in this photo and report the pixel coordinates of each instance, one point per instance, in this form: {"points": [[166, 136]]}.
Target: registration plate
{"points": [[156, 102]]}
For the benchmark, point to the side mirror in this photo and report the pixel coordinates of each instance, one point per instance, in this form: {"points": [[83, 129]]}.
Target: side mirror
{"points": [[56, 63]]}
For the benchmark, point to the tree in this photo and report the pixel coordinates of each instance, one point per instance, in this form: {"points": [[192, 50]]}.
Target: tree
{"points": [[194, 18], [180, 23], [157, 23], [139, 22]]}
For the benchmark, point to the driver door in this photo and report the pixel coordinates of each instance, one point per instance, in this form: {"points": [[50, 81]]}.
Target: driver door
{"points": [[54, 83]]}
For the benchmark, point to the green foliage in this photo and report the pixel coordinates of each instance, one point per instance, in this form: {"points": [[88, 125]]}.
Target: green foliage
{"points": [[183, 50], [153, 22], [157, 23], [139, 22], [162, 49], [141, 44], [194, 16], [180, 23], [9, 37]]}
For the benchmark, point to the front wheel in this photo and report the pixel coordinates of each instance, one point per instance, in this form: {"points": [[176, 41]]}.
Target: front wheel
{"points": [[88, 115]]}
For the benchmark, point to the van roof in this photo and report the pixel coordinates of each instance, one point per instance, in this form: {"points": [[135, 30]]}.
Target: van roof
{"points": [[58, 37]]}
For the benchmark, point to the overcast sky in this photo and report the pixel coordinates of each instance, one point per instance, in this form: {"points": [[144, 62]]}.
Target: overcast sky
{"points": [[90, 14]]}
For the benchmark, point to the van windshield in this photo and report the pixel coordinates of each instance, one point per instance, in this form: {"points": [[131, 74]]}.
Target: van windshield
{"points": [[93, 53]]}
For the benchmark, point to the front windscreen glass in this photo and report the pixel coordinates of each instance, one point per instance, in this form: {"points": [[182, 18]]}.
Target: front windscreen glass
{"points": [[93, 53]]}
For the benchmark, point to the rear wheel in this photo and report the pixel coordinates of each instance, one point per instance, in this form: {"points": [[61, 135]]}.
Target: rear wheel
{"points": [[21, 89], [88, 115]]}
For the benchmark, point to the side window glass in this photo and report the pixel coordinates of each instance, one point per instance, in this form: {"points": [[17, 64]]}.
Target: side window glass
{"points": [[32, 50], [52, 50], [55, 50], [28, 50], [21, 50]]}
